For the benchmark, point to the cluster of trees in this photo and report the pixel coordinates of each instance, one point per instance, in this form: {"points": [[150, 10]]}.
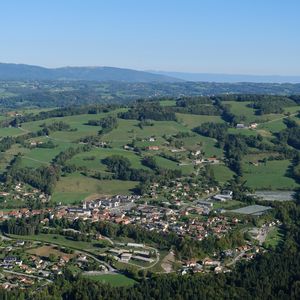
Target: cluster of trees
{"points": [[22, 226], [120, 166], [290, 135], [60, 113], [272, 275], [214, 130], [108, 124], [6, 143], [197, 106], [271, 104], [234, 148], [63, 156], [55, 126], [49, 145], [43, 178]]}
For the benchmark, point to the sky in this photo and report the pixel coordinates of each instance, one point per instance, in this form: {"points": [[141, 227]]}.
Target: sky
{"points": [[207, 36]]}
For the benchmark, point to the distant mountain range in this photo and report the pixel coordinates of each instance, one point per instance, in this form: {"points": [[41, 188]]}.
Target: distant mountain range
{"points": [[230, 78], [28, 72]]}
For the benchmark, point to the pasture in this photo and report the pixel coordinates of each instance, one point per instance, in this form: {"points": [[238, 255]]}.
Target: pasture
{"points": [[270, 176], [75, 188]]}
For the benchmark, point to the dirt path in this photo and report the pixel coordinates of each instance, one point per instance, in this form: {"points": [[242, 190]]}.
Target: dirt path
{"points": [[167, 262], [277, 119]]}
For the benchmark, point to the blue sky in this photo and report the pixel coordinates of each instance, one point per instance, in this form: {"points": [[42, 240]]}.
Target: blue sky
{"points": [[214, 36]]}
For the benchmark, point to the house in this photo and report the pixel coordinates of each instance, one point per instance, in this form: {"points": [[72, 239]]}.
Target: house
{"points": [[142, 258], [240, 126], [224, 196], [253, 125], [80, 212], [153, 148], [20, 243], [125, 257], [213, 160], [134, 245]]}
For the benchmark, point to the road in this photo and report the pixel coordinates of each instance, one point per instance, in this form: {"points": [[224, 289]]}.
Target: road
{"points": [[235, 259], [277, 119], [80, 251]]}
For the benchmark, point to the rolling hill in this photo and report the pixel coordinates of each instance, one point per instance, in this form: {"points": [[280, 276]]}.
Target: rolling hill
{"points": [[29, 72]]}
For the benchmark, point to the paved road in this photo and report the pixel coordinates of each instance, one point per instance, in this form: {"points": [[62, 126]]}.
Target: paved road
{"points": [[109, 267], [236, 259], [95, 273]]}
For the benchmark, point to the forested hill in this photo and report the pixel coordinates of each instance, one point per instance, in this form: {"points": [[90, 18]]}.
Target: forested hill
{"points": [[15, 94], [28, 72]]}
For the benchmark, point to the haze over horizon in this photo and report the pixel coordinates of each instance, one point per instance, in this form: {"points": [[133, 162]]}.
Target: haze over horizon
{"points": [[223, 37]]}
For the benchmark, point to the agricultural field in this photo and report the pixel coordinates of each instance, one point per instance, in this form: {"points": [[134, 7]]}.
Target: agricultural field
{"points": [[271, 175], [222, 173], [10, 131], [192, 121], [92, 159], [173, 151], [76, 187], [46, 251]]}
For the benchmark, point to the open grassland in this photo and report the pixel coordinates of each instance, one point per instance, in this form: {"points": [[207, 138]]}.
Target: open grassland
{"points": [[129, 130], [10, 131], [169, 164], [8, 155], [249, 114], [247, 132], [242, 109], [45, 251], [112, 279], [41, 156], [192, 121], [231, 204], [207, 145], [274, 237], [98, 154], [76, 187], [270, 176], [63, 241], [222, 173]]}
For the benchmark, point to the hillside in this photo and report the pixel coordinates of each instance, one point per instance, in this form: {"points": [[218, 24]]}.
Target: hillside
{"points": [[28, 72], [230, 78]]}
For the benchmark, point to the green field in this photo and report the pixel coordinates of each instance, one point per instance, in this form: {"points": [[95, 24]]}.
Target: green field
{"points": [[129, 130], [100, 154], [76, 187], [222, 173], [10, 131], [192, 121], [271, 176], [249, 114], [112, 279], [242, 109], [62, 241], [274, 237]]}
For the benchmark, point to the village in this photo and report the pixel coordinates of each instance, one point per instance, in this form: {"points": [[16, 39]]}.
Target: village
{"points": [[198, 219]]}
